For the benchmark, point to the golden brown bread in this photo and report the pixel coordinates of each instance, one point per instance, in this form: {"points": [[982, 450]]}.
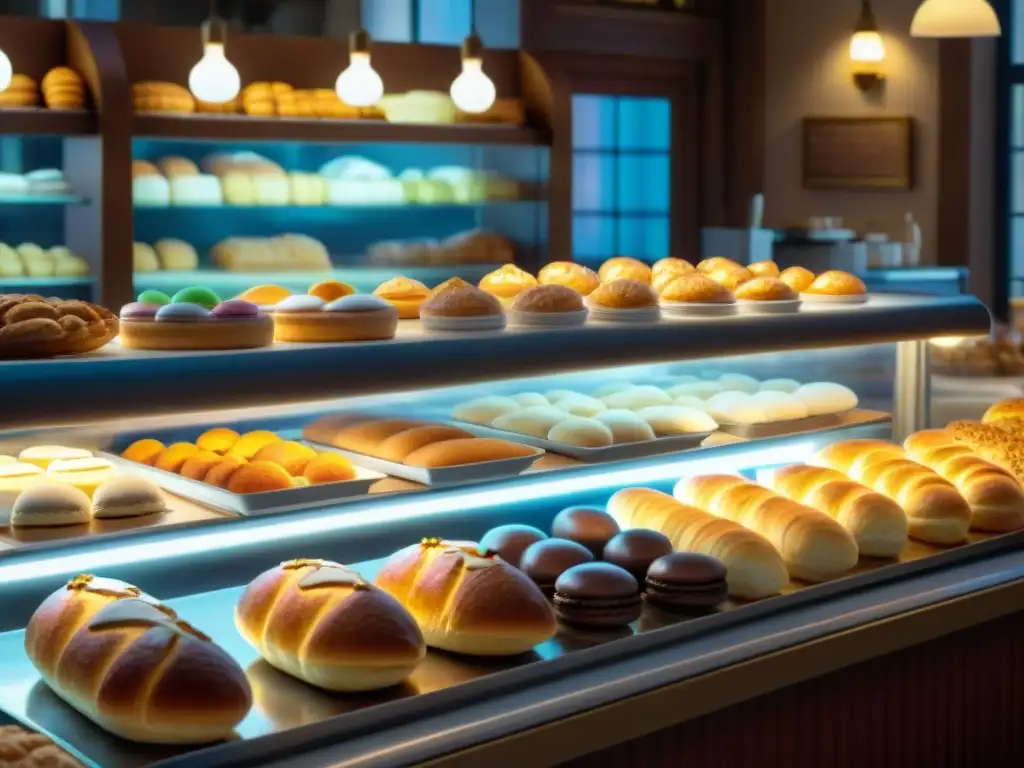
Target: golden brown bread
{"points": [[400, 445], [766, 268], [835, 282], [732, 277], [754, 568], [321, 622], [507, 282], [461, 302], [130, 665], [994, 495], [624, 268], [797, 278], [765, 289], [361, 436], [1005, 409], [576, 276], [813, 546], [715, 262], [623, 294], [467, 602], [935, 510], [877, 523], [549, 299], [696, 287], [472, 450]]}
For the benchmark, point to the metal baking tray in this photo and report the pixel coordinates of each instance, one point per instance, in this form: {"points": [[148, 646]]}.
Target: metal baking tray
{"points": [[620, 452], [251, 504], [776, 428]]}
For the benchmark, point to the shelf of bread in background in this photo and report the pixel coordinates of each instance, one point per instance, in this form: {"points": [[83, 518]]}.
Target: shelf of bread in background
{"points": [[27, 262], [58, 105], [248, 179], [45, 186], [999, 354]]}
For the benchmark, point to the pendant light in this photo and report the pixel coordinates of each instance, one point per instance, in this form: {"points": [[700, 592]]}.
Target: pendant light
{"points": [[955, 18], [214, 79], [472, 91], [6, 72], [867, 50], [359, 85]]}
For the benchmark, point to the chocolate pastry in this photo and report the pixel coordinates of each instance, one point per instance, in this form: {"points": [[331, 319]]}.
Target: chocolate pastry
{"points": [[588, 526], [546, 560], [597, 595], [510, 541], [687, 580], [636, 549]]}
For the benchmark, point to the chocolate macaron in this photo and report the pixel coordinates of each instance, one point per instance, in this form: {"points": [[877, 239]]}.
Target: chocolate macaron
{"points": [[588, 526], [599, 595], [687, 580], [510, 541], [636, 549], [546, 560]]}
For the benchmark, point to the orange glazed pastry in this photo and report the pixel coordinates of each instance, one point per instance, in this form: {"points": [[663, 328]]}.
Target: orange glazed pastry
{"points": [[291, 455], [250, 443], [144, 451], [835, 282], [258, 477], [576, 276], [407, 295], [217, 440], [199, 463], [331, 290], [220, 474], [765, 268], [797, 278], [264, 295], [329, 468], [507, 282], [624, 267], [172, 459]]}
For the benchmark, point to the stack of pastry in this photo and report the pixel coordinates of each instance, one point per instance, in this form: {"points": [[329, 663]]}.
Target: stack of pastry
{"points": [[290, 252], [31, 326], [63, 89], [31, 260], [22, 92], [253, 462], [157, 96], [169, 254]]}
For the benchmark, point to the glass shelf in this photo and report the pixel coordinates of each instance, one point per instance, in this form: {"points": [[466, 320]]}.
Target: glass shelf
{"points": [[333, 207], [43, 200]]}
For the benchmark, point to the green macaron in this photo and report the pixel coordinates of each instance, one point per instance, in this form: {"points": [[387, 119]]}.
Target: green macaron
{"points": [[197, 294], [154, 297]]}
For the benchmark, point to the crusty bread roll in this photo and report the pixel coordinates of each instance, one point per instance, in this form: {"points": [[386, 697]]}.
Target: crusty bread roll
{"points": [[468, 602], [935, 510], [361, 436], [994, 496], [1012, 408], [321, 622], [877, 523], [472, 450], [400, 445], [754, 568], [130, 665], [813, 546]]}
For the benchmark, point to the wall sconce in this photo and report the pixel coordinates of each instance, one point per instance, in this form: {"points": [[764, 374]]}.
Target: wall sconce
{"points": [[867, 51]]}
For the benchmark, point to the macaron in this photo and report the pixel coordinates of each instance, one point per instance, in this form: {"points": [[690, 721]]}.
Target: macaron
{"points": [[510, 541], [588, 526], [127, 497], [687, 580], [154, 297], [139, 310], [544, 561], [598, 595], [235, 309], [636, 549], [300, 302], [182, 313], [197, 294]]}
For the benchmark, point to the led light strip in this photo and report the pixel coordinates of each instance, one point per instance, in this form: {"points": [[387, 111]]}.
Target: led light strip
{"points": [[539, 486]]}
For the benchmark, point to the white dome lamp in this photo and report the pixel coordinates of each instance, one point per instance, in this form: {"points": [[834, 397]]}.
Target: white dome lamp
{"points": [[214, 79], [359, 85], [955, 18], [472, 91]]}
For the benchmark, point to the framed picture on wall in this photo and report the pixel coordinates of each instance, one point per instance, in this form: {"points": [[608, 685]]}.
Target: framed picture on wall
{"points": [[858, 153]]}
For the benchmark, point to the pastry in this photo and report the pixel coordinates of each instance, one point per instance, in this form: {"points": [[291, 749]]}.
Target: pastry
{"points": [[797, 278], [835, 282], [407, 295], [20, 748], [507, 282], [50, 504], [329, 468], [671, 265], [450, 453], [701, 389], [535, 420], [813, 546], [68, 264], [767, 268], [463, 309], [686, 580], [451, 591], [174, 166], [696, 288], [781, 406], [127, 497], [44, 455], [581, 405], [265, 295], [626, 426], [765, 289], [398, 447], [260, 477], [544, 561], [451, 284], [251, 443], [174, 456], [355, 434], [163, 681], [877, 523], [624, 299], [575, 276], [779, 385], [145, 451], [732, 277], [85, 474], [198, 465], [484, 410], [510, 541], [716, 262], [288, 454], [187, 323], [555, 395], [217, 439], [15, 477], [63, 89], [22, 91], [624, 267], [824, 397], [31, 327], [548, 306], [322, 623], [593, 528], [144, 258], [580, 432], [176, 255], [637, 398], [528, 399], [157, 96], [1003, 410], [669, 420], [289, 252], [307, 318], [331, 290], [221, 473], [636, 549], [599, 595], [10, 262]]}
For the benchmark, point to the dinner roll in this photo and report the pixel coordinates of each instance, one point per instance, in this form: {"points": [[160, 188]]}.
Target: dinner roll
{"points": [[536, 420], [584, 433], [668, 420], [626, 426], [484, 410], [581, 405]]}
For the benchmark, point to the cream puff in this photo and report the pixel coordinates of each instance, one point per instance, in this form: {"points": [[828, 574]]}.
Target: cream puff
{"points": [[696, 288], [548, 305], [732, 277], [765, 289], [581, 279], [715, 262], [624, 267], [507, 282], [463, 309], [797, 278], [624, 299], [766, 268], [406, 294]]}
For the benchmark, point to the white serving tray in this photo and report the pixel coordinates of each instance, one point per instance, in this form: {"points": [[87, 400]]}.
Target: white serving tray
{"points": [[251, 504], [758, 307], [821, 298], [697, 309], [776, 428], [630, 315], [622, 451]]}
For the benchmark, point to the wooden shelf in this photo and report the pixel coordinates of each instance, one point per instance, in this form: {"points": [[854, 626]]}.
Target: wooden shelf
{"points": [[246, 128], [47, 122]]}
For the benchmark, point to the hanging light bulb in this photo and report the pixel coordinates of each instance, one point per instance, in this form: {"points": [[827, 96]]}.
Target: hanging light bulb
{"points": [[955, 18], [867, 50], [214, 78], [6, 72], [472, 91], [359, 85]]}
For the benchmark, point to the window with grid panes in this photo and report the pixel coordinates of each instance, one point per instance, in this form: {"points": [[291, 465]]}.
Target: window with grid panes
{"points": [[442, 22], [621, 161]]}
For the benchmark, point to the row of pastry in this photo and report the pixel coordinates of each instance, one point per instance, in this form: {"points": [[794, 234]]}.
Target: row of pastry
{"points": [[62, 88], [31, 260], [42, 183]]}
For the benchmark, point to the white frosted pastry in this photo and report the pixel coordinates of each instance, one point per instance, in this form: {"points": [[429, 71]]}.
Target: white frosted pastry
{"points": [[583, 433], [701, 389], [626, 426], [44, 455], [581, 405], [780, 385], [781, 406], [824, 397], [613, 388], [668, 420], [691, 401], [484, 410], [202, 189], [272, 190], [527, 399], [535, 420], [48, 504], [554, 395], [739, 382], [638, 397], [151, 191]]}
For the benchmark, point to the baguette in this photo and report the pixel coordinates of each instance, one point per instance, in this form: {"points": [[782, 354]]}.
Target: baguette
{"points": [[397, 447], [993, 494], [754, 568], [936, 512], [813, 546], [359, 436], [877, 523], [468, 602], [322, 623], [130, 665], [471, 450]]}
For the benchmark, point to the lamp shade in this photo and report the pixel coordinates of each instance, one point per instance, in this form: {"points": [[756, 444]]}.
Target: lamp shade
{"points": [[955, 18]]}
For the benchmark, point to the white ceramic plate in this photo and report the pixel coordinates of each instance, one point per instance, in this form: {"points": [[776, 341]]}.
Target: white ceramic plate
{"points": [[547, 319], [753, 307], [696, 309], [475, 323], [820, 298], [637, 315]]}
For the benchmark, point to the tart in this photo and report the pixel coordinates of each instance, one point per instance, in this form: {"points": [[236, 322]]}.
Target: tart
{"points": [[33, 327], [406, 294], [193, 319], [355, 317]]}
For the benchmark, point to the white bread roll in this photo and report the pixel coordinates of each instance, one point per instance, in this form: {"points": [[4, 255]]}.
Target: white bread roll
{"points": [[668, 420], [581, 405], [754, 568], [534, 420], [876, 522], [635, 398], [321, 622], [484, 410], [530, 399], [813, 546], [626, 426], [825, 397], [466, 602], [739, 382], [133, 667], [581, 432]]}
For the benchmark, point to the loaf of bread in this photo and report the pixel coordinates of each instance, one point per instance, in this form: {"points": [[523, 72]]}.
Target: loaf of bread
{"points": [[130, 665], [754, 568], [877, 523], [994, 496], [813, 546], [284, 252], [468, 602], [936, 512], [321, 622], [353, 433], [469, 450]]}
